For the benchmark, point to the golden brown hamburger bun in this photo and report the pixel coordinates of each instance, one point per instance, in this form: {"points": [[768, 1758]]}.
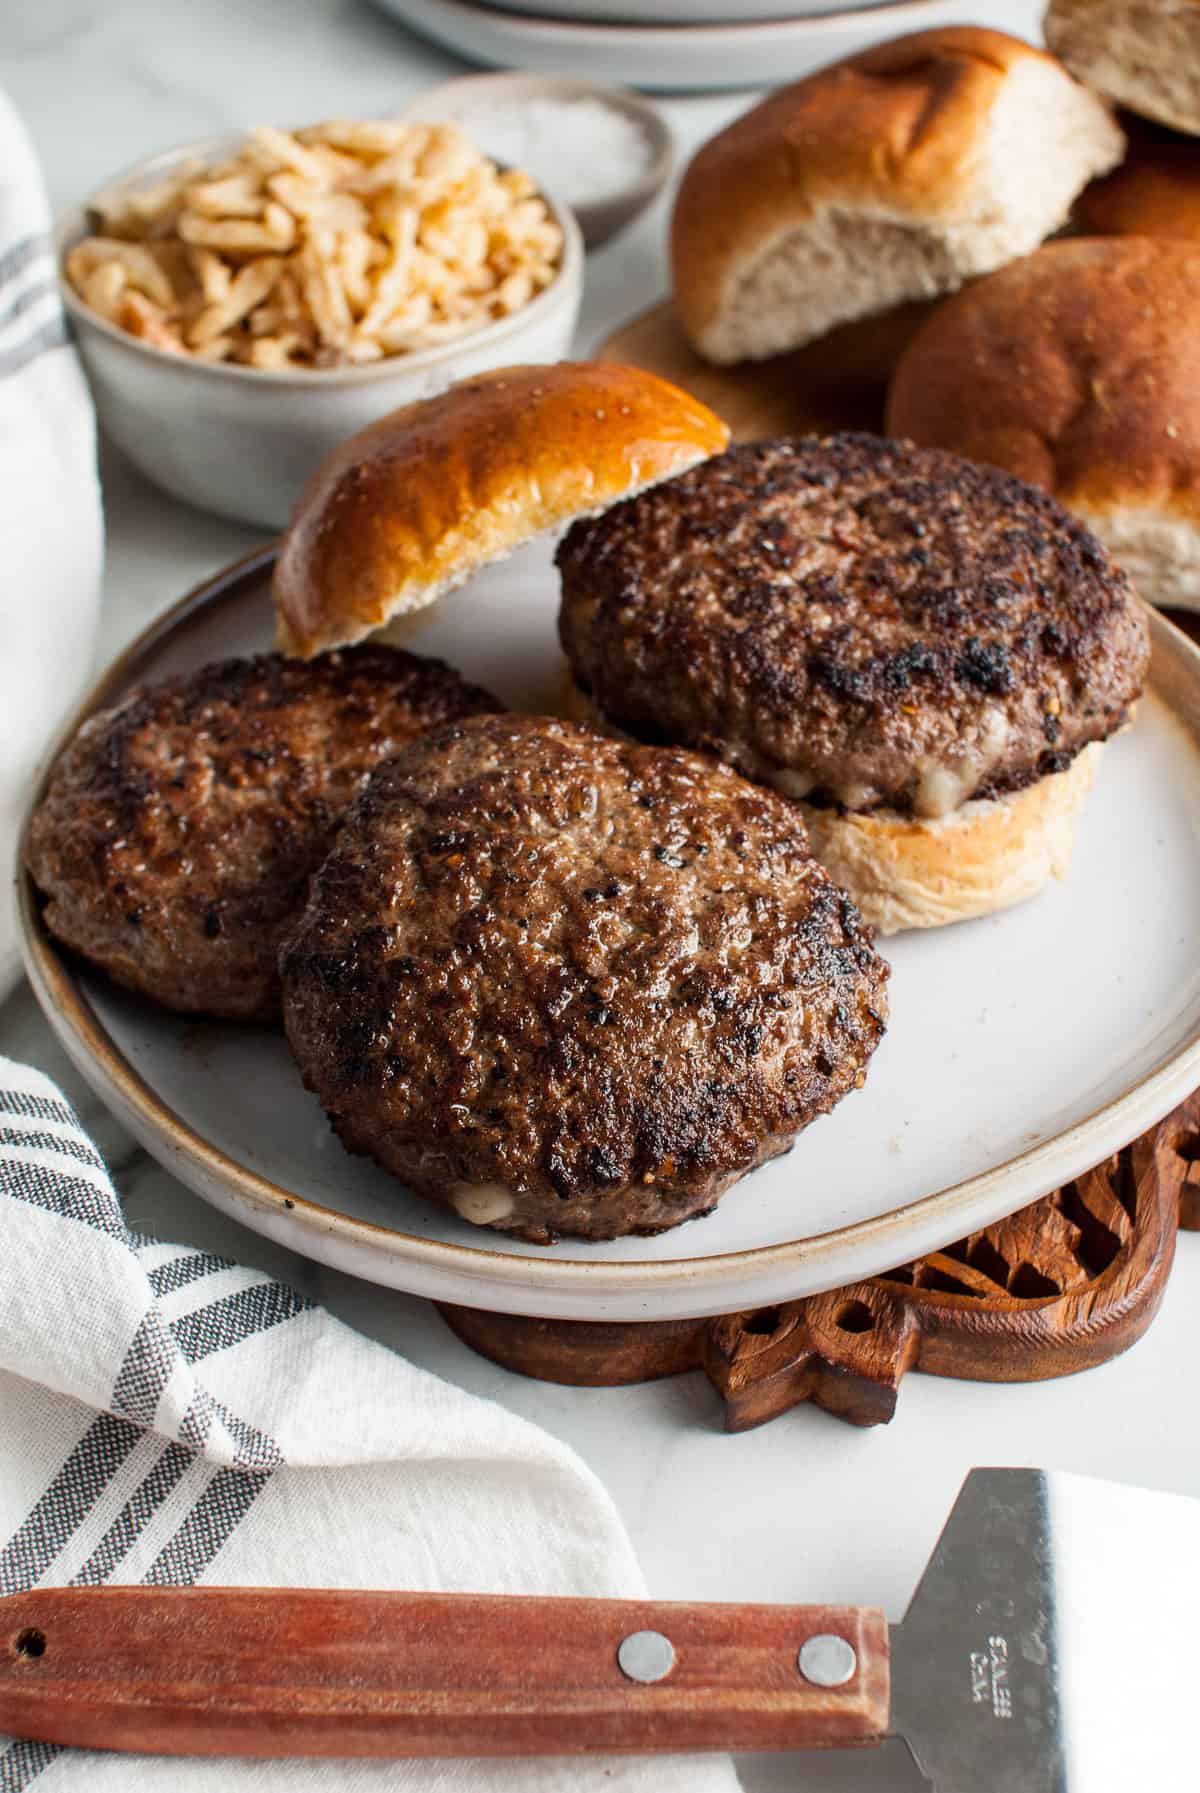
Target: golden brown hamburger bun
{"points": [[420, 500], [1146, 57], [893, 175], [1154, 193], [1078, 369], [910, 872]]}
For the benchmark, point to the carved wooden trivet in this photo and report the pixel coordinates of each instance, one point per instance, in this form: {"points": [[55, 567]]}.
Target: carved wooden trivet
{"points": [[1060, 1286]]}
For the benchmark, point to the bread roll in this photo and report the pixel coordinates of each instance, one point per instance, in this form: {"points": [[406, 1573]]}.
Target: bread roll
{"points": [[893, 175], [420, 500], [1145, 56], [1154, 193], [1078, 369]]}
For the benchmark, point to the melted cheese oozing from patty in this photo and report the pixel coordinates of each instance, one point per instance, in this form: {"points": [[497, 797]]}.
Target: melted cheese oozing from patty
{"points": [[940, 787], [483, 1204]]}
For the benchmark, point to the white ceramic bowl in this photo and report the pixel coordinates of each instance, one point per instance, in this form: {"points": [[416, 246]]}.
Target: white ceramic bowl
{"points": [[242, 442]]}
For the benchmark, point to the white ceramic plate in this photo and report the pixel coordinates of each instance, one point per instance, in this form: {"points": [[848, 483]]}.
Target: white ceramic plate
{"points": [[668, 57], [242, 441], [1022, 1049]]}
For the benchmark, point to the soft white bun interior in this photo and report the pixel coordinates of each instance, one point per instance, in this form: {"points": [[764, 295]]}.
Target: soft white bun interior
{"points": [[852, 253], [1159, 549], [1145, 54]]}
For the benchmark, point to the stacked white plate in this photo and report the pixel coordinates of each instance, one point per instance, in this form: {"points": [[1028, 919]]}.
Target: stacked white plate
{"points": [[688, 44]]}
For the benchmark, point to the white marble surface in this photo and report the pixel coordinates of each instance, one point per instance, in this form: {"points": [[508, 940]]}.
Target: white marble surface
{"points": [[806, 1508]]}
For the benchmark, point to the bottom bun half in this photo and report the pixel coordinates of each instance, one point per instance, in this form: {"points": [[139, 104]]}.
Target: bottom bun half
{"points": [[988, 855], [905, 872]]}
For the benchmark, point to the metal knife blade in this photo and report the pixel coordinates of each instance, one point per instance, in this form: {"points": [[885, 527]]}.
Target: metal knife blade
{"points": [[1047, 1648]]}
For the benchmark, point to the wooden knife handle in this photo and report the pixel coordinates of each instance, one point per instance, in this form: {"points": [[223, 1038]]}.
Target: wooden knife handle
{"points": [[324, 1672]]}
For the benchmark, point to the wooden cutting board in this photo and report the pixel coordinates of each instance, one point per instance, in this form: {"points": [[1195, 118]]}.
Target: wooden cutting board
{"points": [[835, 384], [1058, 1287]]}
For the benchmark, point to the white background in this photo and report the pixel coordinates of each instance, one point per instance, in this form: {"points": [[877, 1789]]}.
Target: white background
{"points": [[807, 1508]]}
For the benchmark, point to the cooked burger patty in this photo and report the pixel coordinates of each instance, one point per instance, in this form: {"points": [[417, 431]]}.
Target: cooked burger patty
{"points": [[863, 622], [573, 985], [179, 831]]}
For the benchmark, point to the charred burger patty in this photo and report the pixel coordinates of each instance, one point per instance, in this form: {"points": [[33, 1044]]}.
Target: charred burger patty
{"points": [[178, 832], [861, 622], [571, 985]]}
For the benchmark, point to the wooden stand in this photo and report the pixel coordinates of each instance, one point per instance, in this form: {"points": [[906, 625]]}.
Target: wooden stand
{"points": [[1061, 1286], [835, 384]]}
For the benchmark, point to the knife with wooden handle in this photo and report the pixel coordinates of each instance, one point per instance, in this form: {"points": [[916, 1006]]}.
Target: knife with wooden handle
{"points": [[325, 1672], [1048, 1649]]}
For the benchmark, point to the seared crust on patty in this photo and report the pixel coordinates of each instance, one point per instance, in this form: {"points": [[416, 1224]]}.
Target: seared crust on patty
{"points": [[572, 985], [879, 623], [178, 831]]}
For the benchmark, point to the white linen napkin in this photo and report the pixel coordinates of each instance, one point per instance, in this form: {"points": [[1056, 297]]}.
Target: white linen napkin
{"points": [[169, 1417], [50, 521]]}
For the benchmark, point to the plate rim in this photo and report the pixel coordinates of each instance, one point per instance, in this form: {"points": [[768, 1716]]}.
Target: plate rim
{"points": [[58, 987]]}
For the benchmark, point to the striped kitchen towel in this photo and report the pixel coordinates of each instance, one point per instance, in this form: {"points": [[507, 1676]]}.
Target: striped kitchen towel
{"points": [[50, 526], [169, 1417]]}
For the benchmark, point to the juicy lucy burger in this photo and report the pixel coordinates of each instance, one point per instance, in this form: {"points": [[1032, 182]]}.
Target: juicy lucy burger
{"points": [[924, 652]]}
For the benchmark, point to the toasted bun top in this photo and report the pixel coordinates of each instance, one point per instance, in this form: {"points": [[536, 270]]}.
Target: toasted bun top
{"points": [[1076, 368], [900, 127], [416, 503], [1154, 193]]}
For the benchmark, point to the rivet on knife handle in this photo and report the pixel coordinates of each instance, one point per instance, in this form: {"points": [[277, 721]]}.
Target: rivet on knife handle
{"points": [[315, 1672]]}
